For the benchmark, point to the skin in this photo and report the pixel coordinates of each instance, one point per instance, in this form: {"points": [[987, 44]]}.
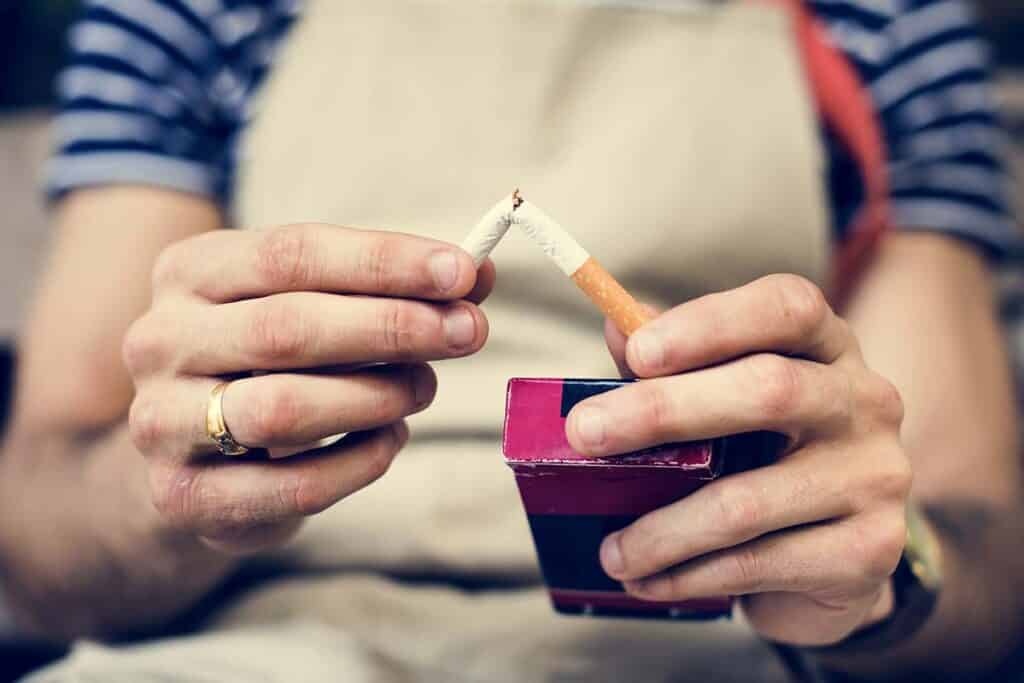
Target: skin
{"points": [[110, 421], [809, 542], [115, 442]]}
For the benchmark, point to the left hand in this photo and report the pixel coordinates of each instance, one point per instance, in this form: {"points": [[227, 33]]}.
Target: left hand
{"points": [[809, 541]]}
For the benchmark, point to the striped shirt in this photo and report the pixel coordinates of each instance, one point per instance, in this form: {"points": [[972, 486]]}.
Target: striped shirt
{"points": [[158, 91]]}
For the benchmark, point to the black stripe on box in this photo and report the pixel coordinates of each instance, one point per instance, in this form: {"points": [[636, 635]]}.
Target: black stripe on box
{"points": [[576, 390], [568, 547]]}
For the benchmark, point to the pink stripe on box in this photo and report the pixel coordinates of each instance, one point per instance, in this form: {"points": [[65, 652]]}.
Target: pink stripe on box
{"points": [[535, 433], [534, 426]]}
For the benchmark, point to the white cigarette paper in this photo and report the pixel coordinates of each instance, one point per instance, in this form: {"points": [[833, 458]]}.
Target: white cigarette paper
{"points": [[551, 238], [538, 226], [482, 240], [572, 259]]}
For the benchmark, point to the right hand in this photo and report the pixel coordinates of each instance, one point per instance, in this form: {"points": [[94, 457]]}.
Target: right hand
{"points": [[342, 323]]}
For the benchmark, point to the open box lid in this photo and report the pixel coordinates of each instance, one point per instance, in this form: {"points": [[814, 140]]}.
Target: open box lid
{"points": [[535, 415]]}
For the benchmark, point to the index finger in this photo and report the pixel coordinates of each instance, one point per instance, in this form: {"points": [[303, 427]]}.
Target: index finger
{"points": [[783, 314], [228, 265], [810, 487]]}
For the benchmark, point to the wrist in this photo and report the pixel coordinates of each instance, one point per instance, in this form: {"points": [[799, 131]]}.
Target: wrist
{"points": [[116, 568], [150, 571], [903, 613]]}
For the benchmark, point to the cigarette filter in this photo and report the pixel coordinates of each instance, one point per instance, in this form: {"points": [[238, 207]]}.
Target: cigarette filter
{"points": [[573, 502]]}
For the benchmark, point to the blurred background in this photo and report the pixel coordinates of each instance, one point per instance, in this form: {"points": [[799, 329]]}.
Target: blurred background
{"points": [[31, 51]]}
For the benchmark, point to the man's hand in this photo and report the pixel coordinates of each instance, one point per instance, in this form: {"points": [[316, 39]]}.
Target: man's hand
{"points": [[810, 542], [340, 323]]}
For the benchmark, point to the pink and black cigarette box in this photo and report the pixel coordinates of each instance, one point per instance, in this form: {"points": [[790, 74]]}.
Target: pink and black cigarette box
{"points": [[573, 502]]}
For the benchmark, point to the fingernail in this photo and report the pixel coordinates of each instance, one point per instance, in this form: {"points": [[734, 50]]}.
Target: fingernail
{"points": [[648, 349], [590, 425], [445, 268], [611, 555], [460, 328], [423, 387]]}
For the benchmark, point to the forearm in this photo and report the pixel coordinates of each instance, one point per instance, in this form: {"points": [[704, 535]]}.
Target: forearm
{"points": [[81, 548], [977, 622], [82, 552], [926, 319]]}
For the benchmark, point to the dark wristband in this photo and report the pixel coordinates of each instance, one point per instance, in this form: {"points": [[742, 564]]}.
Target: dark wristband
{"points": [[913, 603]]}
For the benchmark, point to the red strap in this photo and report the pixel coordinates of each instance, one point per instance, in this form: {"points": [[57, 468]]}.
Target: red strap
{"points": [[846, 106]]}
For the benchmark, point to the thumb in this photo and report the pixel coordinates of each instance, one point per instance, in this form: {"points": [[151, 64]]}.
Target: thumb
{"points": [[617, 343], [617, 347]]}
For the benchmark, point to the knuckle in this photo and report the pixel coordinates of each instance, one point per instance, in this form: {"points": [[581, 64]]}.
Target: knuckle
{"points": [[385, 404], [835, 404], [801, 302], [177, 495], [142, 346], [377, 265], [739, 510], [884, 399], [657, 409], [274, 415], [305, 495], [888, 477], [169, 267], [776, 384], [882, 546], [845, 331], [896, 476], [147, 425], [276, 331], [398, 328], [745, 569], [284, 257]]}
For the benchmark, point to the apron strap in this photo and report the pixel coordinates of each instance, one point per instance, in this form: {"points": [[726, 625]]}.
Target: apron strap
{"points": [[845, 105]]}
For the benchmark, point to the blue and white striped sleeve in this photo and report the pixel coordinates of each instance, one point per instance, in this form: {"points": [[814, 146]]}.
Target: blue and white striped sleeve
{"points": [[134, 106], [948, 150]]}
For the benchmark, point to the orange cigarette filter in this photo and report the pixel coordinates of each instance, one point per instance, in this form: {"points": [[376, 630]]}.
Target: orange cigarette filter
{"points": [[611, 297]]}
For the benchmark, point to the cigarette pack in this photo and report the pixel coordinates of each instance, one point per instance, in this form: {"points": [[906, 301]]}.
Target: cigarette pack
{"points": [[572, 502]]}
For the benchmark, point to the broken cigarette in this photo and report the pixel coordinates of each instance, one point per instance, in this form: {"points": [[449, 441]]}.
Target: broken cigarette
{"points": [[573, 260]]}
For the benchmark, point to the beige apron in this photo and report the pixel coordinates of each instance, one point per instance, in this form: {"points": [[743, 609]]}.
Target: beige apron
{"points": [[676, 141], [679, 146]]}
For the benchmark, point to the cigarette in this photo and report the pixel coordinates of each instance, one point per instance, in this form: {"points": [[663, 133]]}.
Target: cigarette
{"points": [[484, 237], [572, 259]]}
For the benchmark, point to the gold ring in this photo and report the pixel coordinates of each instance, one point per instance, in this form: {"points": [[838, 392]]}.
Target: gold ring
{"points": [[216, 428]]}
